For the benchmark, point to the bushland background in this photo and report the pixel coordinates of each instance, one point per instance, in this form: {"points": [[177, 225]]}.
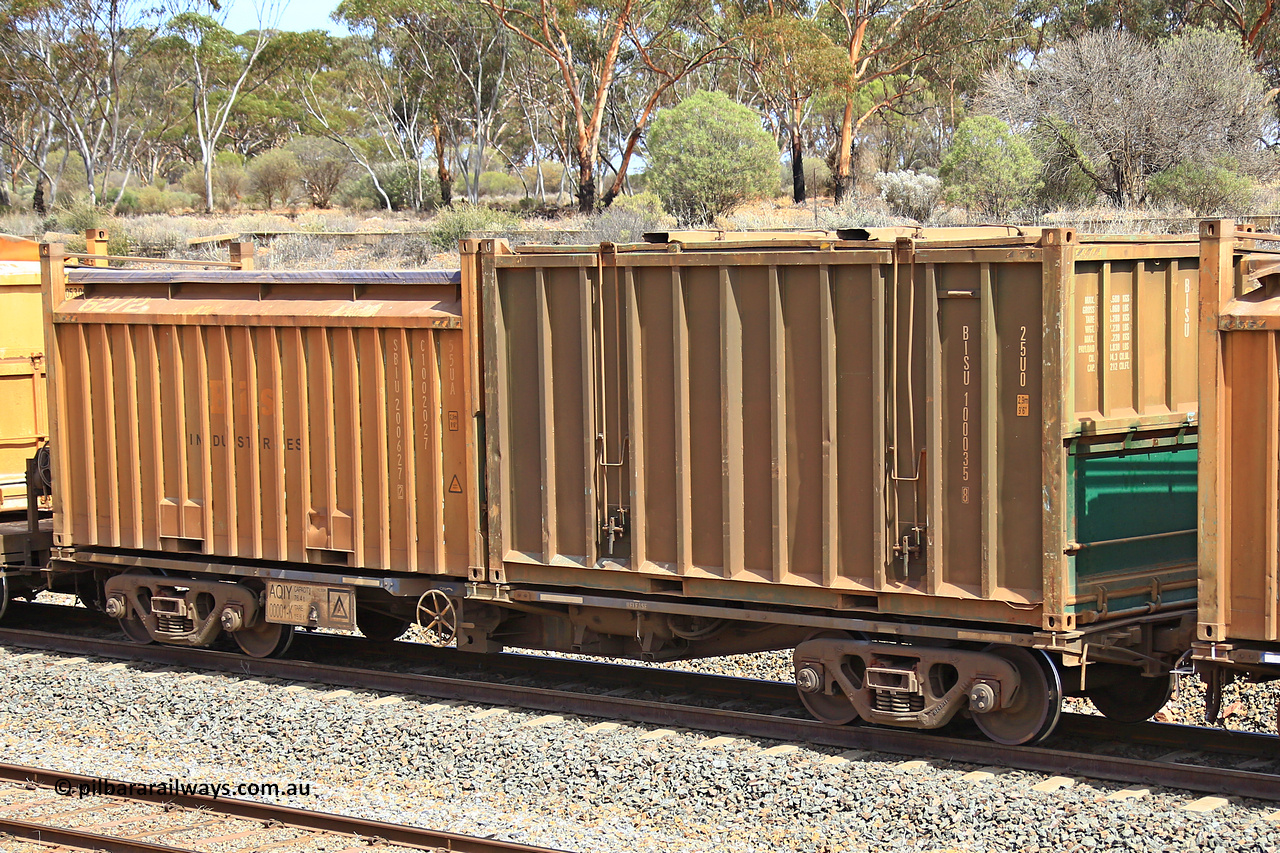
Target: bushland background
{"points": [[583, 120]]}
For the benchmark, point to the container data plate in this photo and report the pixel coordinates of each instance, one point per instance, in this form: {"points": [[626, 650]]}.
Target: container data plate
{"points": [[311, 605]]}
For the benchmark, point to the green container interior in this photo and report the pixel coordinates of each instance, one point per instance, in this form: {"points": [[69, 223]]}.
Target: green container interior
{"points": [[1128, 494]]}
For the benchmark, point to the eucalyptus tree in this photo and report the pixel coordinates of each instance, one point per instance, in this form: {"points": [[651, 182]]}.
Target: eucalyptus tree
{"points": [[893, 50], [331, 117], [541, 105], [348, 92], [479, 50], [1257, 24], [410, 76], [77, 60], [582, 39], [162, 118], [792, 61], [462, 53], [219, 63], [667, 41], [598, 50], [267, 113], [27, 133]]}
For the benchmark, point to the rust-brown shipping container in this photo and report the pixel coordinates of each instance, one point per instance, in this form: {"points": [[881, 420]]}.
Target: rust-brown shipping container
{"points": [[997, 430], [1239, 621]]}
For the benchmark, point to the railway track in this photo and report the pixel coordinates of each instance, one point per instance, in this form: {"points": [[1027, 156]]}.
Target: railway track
{"points": [[51, 810], [1187, 761]]}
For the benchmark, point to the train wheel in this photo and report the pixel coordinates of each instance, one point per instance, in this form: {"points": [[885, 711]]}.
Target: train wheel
{"points": [[265, 640], [834, 708], [4, 594], [136, 630], [1133, 700], [1036, 705], [380, 627]]}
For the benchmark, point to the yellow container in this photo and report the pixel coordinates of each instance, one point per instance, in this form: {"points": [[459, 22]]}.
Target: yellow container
{"points": [[317, 418], [23, 407]]}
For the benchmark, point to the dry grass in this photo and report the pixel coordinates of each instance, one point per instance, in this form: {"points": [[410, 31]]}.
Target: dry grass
{"points": [[320, 239], [871, 212]]}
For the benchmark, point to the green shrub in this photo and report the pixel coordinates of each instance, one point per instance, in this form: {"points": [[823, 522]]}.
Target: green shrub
{"points": [[356, 193], [500, 183], [628, 219], [230, 181], [79, 218], [1205, 188], [322, 166], [988, 168], [454, 223], [273, 175], [149, 199], [118, 241], [192, 181], [707, 154], [645, 204], [552, 172], [124, 201], [396, 181], [1056, 143], [908, 193], [529, 204]]}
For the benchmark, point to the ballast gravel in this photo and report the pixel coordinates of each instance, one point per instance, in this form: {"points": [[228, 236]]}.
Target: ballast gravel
{"points": [[561, 784]]}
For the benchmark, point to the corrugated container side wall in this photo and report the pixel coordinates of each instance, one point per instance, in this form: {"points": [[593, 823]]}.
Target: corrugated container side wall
{"points": [[319, 422], [781, 425], [1240, 447], [1133, 316]]}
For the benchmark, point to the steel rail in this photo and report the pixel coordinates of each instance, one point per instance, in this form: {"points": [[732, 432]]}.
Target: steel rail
{"points": [[1194, 777], [546, 668], [390, 833], [79, 839], [781, 694], [567, 672]]}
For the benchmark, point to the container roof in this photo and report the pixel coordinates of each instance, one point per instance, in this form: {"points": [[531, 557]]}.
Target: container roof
{"points": [[87, 275]]}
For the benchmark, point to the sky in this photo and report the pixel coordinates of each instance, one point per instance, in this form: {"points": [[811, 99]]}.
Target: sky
{"points": [[297, 15]]}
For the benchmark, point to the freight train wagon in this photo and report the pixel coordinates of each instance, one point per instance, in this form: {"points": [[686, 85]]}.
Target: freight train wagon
{"points": [[955, 475], [1239, 493]]}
